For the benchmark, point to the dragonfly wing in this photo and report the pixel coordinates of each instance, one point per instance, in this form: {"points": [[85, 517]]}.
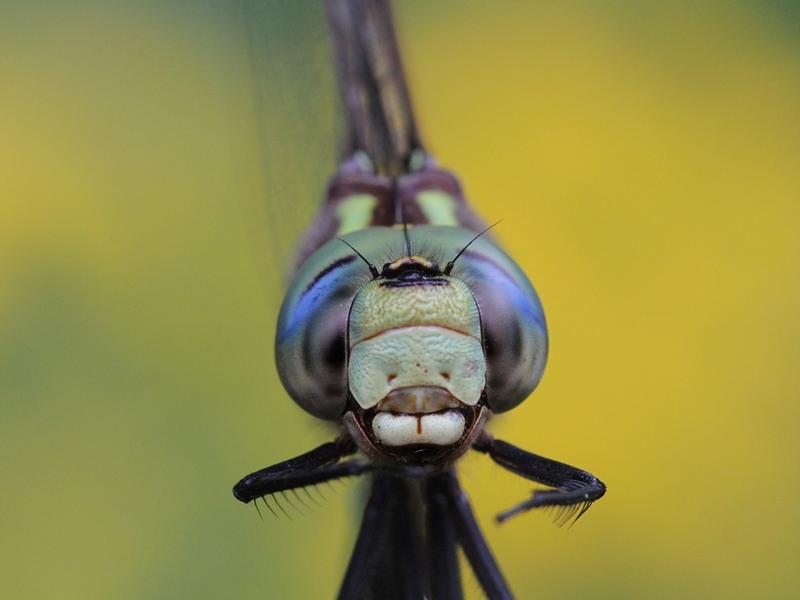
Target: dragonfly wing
{"points": [[293, 99]]}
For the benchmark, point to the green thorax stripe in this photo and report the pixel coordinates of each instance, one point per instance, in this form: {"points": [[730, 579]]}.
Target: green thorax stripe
{"points": [[357, 200]]}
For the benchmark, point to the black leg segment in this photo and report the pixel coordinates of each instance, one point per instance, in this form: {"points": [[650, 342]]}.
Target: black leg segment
{"points": [[372, 541], [445, 575], [575, 487], [471, 539], [315, 466]]}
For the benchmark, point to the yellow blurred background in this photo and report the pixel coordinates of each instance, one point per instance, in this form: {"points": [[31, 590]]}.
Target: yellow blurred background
{"points": [[158, 161]]}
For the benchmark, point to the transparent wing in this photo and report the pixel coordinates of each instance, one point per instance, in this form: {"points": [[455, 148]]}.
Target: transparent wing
{"points": [[295, 117]]}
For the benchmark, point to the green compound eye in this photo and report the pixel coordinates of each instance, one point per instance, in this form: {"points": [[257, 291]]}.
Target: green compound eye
{"points": [[310, 344], [513, 323]]}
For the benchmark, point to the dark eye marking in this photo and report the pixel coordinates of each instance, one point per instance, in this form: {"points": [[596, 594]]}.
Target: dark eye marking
{"points": [[516, 339], [489, 345], [393, 283], [334, 352], [331, 267]]}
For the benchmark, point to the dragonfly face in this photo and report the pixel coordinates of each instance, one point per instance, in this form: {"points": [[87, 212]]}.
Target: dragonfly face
{"points": [[411, 358], [416, 367]]}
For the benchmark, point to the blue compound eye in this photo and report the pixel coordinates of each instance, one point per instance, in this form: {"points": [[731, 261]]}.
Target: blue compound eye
{"points": [[311, 340], [513, 324]]}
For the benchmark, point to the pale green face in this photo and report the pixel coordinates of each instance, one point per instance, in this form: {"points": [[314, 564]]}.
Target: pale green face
{"points": [[416, 359]]}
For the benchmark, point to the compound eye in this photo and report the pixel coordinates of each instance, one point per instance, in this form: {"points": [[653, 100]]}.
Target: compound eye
{"points": [[514, 330], [325, 348], [516, 350], [311, 362], [311, 341]]}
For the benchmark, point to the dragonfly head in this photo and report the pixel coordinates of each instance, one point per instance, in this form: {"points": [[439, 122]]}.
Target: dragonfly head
{"points": [[416, 354]]}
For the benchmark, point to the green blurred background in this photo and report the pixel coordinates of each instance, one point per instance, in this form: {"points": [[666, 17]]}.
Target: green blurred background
{"points": [[158, 160]]}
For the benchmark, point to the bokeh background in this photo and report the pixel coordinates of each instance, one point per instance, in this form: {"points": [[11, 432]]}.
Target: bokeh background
{"points": [[158, 160]]}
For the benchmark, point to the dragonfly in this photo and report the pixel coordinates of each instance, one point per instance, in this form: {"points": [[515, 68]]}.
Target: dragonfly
{"points": [[407, 325]]}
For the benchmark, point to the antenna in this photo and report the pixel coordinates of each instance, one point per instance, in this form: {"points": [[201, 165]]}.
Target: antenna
{"points": [[372, 268], [449, 266], [400, 215]]}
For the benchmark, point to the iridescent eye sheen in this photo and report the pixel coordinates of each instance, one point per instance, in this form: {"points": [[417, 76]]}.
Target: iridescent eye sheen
{"points": [[513, 323], [311, 341]]}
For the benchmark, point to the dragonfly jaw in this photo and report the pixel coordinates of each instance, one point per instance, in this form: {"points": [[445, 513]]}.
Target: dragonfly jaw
{"points": [[438, 434], [418, 415]]}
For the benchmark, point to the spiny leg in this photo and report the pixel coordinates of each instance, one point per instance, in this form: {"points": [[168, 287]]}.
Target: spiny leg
{"points": [[372, 539], [445, 574], [315, 466], [473, 542], [575, 487]]}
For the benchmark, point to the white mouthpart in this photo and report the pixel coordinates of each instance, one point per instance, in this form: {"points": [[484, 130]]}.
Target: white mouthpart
{"points": [[441, 429]]}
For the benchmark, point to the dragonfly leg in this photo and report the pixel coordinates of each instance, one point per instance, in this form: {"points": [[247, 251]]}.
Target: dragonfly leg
{"points": [[316, 466], [445, 574], [575, 487], [372, 541], [472, 541]]}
